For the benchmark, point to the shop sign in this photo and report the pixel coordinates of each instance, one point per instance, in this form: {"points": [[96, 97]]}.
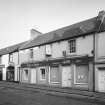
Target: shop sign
{"points": [[66, 62]]}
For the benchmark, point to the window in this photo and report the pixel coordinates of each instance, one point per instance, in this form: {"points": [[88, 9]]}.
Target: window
{"points": [[10, 57], [31, 53], [81, 74], [48, 50], [43, 73], [72, 46]]}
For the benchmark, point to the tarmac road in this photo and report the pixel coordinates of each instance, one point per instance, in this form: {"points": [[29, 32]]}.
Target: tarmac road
{"points": [[10, 96]]}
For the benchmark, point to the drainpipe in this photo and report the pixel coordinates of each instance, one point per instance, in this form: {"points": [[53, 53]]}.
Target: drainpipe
{"points": [[100, 18]]}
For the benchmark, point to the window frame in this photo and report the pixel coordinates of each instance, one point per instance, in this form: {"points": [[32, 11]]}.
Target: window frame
{"points": [[11, 57], [41, 77], [75, 68], [72, 46], [31, 53]]}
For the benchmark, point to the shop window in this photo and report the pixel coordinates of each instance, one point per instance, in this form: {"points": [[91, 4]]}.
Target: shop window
{"points": [[72, 46], [42, 73], [81, 74]]}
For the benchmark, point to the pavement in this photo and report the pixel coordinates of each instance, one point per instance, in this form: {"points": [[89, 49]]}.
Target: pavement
{"points": [[70, 93]]}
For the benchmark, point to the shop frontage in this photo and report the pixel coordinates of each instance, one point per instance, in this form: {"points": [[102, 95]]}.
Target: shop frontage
{"points": [[100, 77], [75, 72]]}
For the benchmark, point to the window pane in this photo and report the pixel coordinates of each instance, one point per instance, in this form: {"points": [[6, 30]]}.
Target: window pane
{"points": [[82, 74], [72, 45], [43, 74]]}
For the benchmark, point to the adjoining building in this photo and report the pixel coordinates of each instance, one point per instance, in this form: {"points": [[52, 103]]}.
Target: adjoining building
{"points": [[9, 63]]}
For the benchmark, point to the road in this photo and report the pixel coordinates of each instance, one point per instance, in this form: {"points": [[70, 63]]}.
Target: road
{"points": [[12, 96]]}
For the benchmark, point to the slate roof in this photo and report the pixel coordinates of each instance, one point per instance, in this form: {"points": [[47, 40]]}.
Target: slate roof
{"points": [[11, 49], [75, 30]]}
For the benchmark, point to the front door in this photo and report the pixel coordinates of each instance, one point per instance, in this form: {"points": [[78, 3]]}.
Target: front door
{"points": [[33, 76], [66, 76], [0, 75], [101, 80]]}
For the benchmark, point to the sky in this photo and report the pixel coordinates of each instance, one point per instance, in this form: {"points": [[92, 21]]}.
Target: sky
{"points": [[18, 17]]}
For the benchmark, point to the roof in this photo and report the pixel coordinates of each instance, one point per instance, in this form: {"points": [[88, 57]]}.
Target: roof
{"points": [[11, 49], [75, 30]]}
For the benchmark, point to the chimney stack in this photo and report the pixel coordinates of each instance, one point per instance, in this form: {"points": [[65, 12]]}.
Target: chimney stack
{"points": [[101, 16], [34, 33]]}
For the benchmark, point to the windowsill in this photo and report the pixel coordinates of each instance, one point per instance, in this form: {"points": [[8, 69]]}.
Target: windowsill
{"points": [[42, 79], [80, 83], [71, 53], [55, 82]]}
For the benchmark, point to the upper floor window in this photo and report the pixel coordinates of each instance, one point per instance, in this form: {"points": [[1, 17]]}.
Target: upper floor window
{"points": [[10, 57], [48, 50], [31, 53], [72, 46]]}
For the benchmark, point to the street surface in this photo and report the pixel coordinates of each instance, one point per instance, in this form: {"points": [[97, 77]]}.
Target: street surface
{"points": [[13, 96]]}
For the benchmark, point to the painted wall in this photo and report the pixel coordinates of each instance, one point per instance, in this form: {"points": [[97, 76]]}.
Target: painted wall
{"points": [[23, 56], [84, 46], [100, 45], [5, 59], [58, 47], [39, 53], [15, 58]]}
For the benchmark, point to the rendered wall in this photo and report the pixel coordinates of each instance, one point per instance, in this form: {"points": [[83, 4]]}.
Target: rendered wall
{"points": [[5, 59]]}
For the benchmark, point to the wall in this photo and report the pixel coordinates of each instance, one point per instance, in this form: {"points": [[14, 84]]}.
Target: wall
{"points": [[39, 53], [5, 59], [23, 56], [15, 58], [100, 42], [84, 46]]}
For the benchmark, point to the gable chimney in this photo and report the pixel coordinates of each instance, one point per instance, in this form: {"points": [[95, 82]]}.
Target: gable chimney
{"points": [[34, 33], [101, 16]]}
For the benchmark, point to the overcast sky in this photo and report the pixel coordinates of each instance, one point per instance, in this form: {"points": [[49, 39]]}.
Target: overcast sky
{"points": [[17, 17]]}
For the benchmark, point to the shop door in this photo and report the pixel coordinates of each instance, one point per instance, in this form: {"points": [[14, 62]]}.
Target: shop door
{"points": [[66, 76], [0, 75], [33, 76], [101, 80], [54, 75]]}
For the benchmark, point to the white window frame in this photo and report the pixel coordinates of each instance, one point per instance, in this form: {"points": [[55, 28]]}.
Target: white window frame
{"points": [[71, 52], [48, 50], [75, 77], [41, 74]]}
